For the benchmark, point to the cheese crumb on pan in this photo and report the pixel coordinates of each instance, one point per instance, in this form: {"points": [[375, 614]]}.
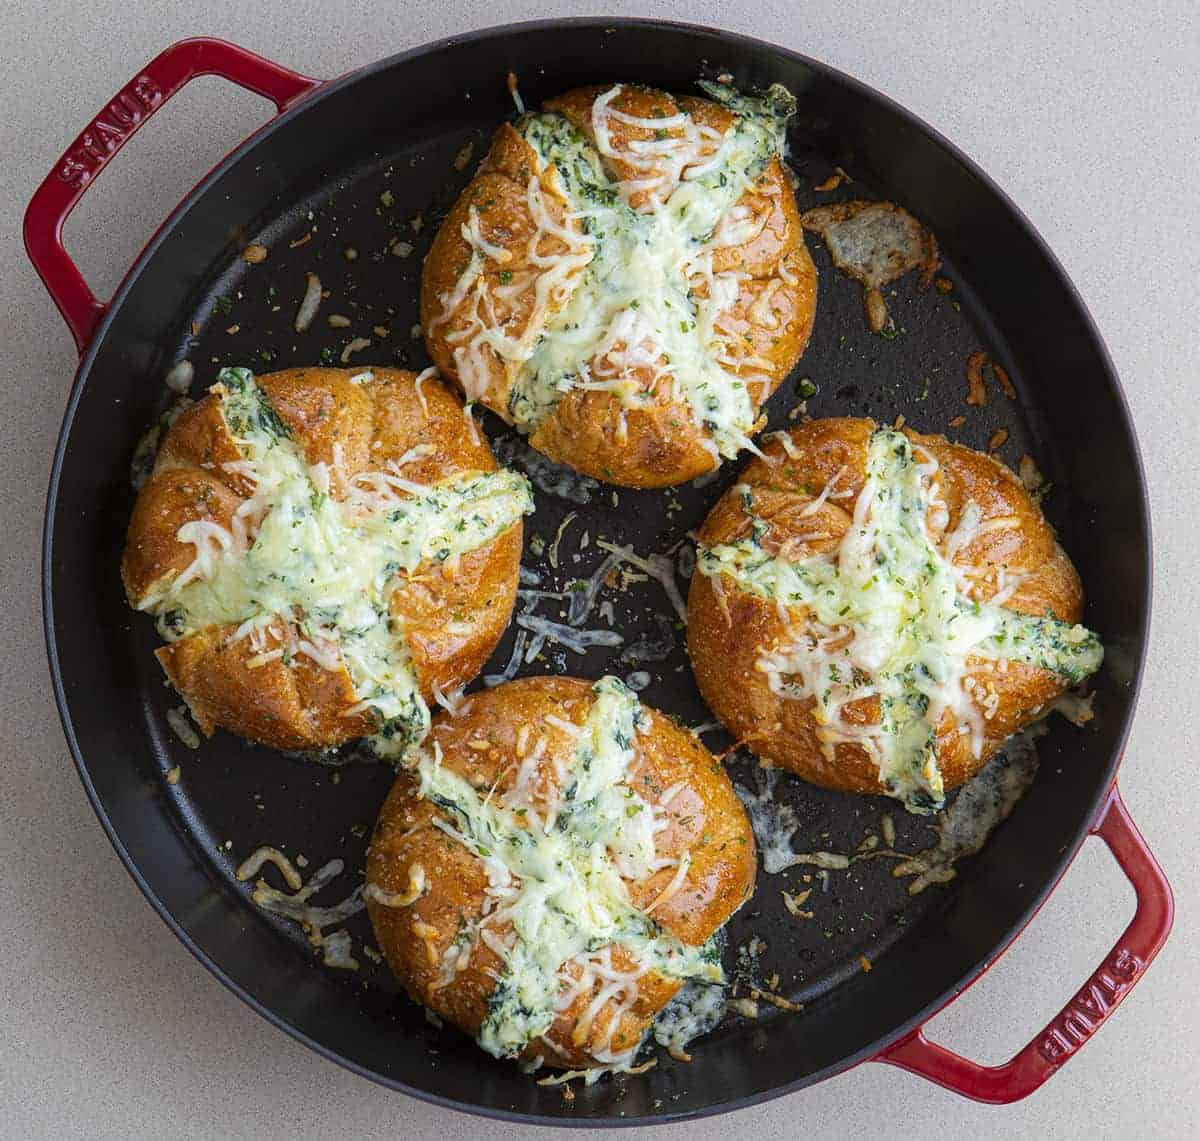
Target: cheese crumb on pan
{"points": [[335, 947]]}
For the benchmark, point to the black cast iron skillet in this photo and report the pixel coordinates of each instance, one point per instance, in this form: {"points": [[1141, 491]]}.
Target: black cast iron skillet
{"points": [[352, 163]]}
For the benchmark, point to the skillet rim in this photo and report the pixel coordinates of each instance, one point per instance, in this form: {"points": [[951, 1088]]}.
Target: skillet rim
{"points": [[726, 40]]}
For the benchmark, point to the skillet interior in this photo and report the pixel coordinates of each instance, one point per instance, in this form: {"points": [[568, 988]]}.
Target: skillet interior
{"points": [[396, 127]]}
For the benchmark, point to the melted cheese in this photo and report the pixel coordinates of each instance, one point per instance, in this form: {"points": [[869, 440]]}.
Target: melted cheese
{"points": [[557, 888], [694, 1011], [886, 616], [296, 906], [645, 313], [319, 572]]}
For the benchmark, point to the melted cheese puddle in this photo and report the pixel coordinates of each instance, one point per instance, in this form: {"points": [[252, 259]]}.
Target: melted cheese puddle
{"points": [[642, 297], [557, 901], [319, 572], [887, 617]]}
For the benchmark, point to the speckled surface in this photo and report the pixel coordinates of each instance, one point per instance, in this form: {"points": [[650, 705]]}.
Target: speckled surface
{"points": [[1086, 115]]}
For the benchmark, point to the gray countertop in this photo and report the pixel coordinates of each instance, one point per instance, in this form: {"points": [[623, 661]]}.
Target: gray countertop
{"points": [[1086, 113]]}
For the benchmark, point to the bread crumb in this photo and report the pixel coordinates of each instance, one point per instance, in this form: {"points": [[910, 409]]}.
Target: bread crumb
{"points": [[355, 346], [1031, 477], [976, 392], [877, 313], [464, 155], [776, 1000], [834, 180], [1006, 385]]}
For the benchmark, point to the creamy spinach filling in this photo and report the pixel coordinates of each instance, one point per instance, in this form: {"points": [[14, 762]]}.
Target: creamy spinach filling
{"points": [[558, 883], [694, 1011], [886, 616], [323, 569], [649, 299]]}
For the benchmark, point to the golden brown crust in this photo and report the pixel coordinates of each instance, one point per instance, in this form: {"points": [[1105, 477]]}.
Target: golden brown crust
{"points": [[296, 706], [652, 445], [729, 630], [454, 613], [659, 446], [484, 743], [499, 196]]}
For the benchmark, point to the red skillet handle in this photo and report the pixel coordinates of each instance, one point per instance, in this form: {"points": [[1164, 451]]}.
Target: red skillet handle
{"points": [[1083, 1015], [107, 133]]}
